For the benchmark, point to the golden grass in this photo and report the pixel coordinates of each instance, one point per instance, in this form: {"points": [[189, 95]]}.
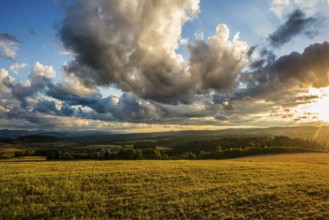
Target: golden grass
{"points": [[164, 190], [25, 159], [9, 150], [300, 158]]}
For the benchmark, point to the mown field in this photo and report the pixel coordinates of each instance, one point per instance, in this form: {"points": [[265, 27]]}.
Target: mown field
{"points": [[222, 189]]}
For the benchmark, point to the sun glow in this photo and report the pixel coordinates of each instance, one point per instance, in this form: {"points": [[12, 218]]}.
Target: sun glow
{"points": [[319, 108]]}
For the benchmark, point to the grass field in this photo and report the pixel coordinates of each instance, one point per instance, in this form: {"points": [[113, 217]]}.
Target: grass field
{"points": [[320, 158], [8, 150], [268, 189], [24, 159]]}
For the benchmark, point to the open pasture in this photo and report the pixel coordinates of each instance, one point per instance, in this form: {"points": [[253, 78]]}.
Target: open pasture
{"points": [[214, 189]]}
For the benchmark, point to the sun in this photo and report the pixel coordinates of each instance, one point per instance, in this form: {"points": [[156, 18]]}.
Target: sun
{"points": [[316, 110], [320, 107]]}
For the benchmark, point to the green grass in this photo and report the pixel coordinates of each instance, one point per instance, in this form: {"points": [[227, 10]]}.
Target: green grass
{"points": [[164, 190]]}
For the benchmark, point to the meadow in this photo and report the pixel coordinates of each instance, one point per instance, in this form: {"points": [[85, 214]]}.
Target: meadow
{"points": [[207, 189]]}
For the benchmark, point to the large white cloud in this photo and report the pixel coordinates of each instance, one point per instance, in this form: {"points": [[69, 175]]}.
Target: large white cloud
{"points": [[217, 63], [43, 71], [133, 46]]}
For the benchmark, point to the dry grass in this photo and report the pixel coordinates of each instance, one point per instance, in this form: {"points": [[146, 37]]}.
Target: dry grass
{"points": [[25, 159], [299, 158], [164, 190], [9, 150]]}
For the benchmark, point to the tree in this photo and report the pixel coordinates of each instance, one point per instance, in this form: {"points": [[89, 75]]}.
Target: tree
{"points": [[151, 154], [129, 154]]}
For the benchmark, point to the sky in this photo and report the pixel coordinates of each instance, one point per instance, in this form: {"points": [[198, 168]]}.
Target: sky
{"points": [[160, 65]]}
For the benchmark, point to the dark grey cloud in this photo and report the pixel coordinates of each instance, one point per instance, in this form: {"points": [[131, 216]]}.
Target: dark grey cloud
{"points": [[61, 92], [131, 108], [40, 79], [58, 108], [127, 108], [265, 56], [22, 92], [42, 96], [8, 37], [28, 118], [289, 74], [46, 106], [297, 23], [251, 51]]}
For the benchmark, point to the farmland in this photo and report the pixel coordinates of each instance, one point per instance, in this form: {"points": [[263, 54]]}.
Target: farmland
{"points": [[269, 188]]}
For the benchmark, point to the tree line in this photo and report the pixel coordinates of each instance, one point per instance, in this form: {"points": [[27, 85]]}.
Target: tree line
{"points": [[258, 142], [128, 153], [200, 149]]}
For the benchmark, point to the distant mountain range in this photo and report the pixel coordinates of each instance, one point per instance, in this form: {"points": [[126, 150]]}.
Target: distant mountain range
{"points": [[13, 134], [320, 134], [37, 139]]}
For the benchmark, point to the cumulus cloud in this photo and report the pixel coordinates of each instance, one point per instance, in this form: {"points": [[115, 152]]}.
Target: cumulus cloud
{"points": [[120, 43], [296, 23], [216, 64], [133, 46], [16, 67], [125, 108], [6, 81], [131, 108], [47, 106], [40, 78], [72, 85], [43, 71]]}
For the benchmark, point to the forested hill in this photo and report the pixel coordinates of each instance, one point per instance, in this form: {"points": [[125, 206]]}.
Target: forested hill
{"points": [[248, 142], [37, 139], [319, 134]]}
